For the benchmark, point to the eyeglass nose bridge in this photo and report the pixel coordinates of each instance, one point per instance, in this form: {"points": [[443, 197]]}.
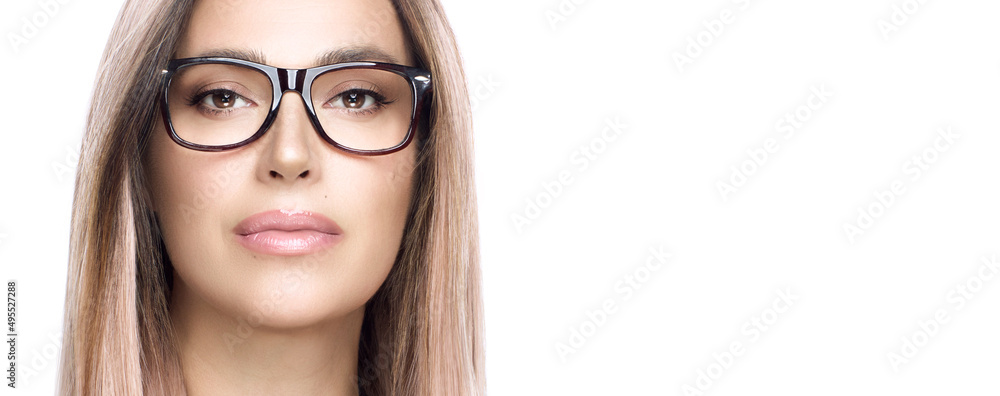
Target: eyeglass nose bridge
{"points": [[291, 80]]}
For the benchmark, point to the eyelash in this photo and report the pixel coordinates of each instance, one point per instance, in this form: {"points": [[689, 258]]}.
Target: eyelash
{"points": [[380, 100], [196, 98]]}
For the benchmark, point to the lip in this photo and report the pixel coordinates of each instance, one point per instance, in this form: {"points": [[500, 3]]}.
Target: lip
{"points": [[287, 232]]}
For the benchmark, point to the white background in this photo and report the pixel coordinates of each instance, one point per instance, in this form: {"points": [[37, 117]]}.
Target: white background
{"points": [[547, 77]]}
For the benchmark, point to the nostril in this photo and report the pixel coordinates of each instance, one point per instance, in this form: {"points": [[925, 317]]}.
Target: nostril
{"points": [[276, 175]]}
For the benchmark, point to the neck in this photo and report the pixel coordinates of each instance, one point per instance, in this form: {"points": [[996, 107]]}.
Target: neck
{"points": [[221, 354]]}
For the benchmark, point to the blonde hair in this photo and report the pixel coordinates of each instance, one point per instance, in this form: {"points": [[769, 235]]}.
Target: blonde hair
{"points": [[422, 332]]}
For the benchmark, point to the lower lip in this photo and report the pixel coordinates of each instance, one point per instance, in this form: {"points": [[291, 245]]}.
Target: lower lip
{"points": [[288, 243]]}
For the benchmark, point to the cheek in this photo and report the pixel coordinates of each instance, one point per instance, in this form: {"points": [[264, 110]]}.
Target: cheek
{"points": [[191, 192], [190, 188], [373, 211], [380, 186]]}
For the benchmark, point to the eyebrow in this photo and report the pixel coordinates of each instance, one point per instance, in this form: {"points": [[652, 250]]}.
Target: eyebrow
{"points": [[340, 55]]}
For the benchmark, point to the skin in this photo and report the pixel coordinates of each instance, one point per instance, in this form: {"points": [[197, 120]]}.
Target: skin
{"points": [[248, 323]]}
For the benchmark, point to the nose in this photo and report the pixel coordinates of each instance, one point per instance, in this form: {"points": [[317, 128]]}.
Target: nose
{"points": [[290, 151]]}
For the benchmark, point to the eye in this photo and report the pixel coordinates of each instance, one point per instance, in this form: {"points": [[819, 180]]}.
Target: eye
{"points": [[355, 100], [223, 100]]}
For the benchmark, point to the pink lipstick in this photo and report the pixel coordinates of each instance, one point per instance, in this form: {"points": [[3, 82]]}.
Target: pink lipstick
{"points": [[287, 232]]}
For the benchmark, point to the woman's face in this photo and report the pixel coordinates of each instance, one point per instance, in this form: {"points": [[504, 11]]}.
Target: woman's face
{"points": [[202, 197]]}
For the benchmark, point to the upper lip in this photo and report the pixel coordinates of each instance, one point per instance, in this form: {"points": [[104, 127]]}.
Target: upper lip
{"points": [[287, 220]]}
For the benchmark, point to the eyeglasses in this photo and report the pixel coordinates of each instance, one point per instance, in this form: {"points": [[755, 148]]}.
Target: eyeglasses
{"points": [[365, 108]]}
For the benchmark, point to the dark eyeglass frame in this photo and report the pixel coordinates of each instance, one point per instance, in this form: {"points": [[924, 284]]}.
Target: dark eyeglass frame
{"points": [[301, 80]]}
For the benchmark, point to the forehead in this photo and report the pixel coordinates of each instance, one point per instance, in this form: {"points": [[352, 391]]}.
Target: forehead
{"points": [[295, 33]]}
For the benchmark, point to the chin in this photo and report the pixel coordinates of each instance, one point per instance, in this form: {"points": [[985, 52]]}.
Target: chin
{"points": [[302, 303]]}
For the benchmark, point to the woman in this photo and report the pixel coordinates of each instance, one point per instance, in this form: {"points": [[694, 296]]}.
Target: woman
{"points": [[276, 197]]}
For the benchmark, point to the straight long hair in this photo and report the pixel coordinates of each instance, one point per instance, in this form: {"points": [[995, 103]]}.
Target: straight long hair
{"points": [[422, 332]]}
